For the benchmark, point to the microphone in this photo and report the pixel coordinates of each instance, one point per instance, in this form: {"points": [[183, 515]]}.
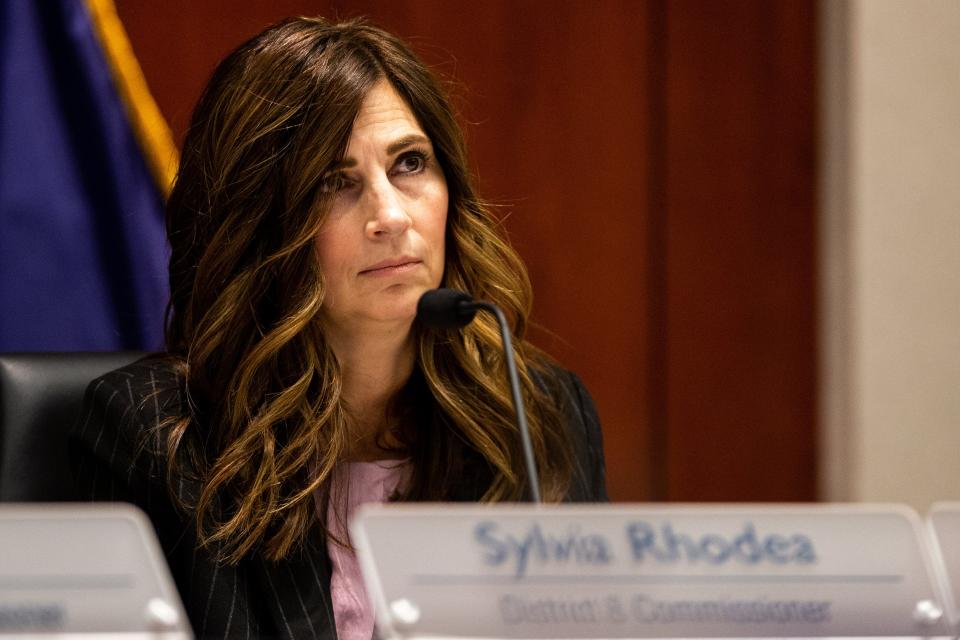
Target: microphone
{"points": [[452, 309], [445, 309]]}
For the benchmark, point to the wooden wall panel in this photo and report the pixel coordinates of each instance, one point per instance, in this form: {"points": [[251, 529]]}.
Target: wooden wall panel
{"points": [[179, 42], [741, 303], [653, 163]]}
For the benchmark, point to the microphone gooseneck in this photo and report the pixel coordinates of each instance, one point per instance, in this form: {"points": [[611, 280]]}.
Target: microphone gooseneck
{"points": [[452, 309]]}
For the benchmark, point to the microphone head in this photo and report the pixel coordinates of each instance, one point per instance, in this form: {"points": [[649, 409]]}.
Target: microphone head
{"points": [[445, 309]]}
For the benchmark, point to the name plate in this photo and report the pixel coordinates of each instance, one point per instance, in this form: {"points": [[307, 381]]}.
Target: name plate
{"points": [[604, 571], [944, 519], [85, 570]]}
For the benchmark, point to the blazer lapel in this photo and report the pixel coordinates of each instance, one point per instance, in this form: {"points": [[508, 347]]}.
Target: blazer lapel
{"points": [[297, 594]]}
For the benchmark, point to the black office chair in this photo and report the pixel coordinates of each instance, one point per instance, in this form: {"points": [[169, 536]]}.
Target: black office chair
{"points": [[40, 399]]}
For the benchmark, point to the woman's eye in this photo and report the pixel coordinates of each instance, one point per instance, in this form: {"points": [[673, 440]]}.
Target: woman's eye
{"points": [[413, 162], [333, 183]]}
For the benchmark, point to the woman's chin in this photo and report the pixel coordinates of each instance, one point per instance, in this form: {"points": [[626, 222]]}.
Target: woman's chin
{"points": [[399, 309]]}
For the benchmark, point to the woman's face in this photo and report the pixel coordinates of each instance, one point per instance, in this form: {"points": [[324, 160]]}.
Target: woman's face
{"points": [[382, 244]]}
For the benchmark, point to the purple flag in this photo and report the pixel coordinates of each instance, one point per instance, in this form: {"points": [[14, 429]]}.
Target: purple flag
{"points": [[82, 247]]}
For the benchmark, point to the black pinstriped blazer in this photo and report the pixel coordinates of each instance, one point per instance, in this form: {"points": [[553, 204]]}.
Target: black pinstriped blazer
{"points": [[256, 598]]}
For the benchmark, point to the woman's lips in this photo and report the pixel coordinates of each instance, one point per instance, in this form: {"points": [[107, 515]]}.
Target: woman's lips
{"points": [[391, 267]]}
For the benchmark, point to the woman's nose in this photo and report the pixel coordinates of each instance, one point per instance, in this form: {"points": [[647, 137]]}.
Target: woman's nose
{"points": [[387, 215]]}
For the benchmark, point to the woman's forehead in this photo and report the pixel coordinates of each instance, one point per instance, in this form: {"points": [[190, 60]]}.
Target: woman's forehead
{"points": [[384, 106]]}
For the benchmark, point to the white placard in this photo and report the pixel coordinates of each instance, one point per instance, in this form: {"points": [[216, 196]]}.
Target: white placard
{"points": [[944, 519], [85, 569], [602, 571]]}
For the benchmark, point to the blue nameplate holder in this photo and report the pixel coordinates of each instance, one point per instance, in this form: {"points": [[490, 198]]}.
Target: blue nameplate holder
{"points": [[605, 571]]}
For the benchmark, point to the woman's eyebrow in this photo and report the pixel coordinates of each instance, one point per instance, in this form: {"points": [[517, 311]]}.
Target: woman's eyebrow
{"points": [[392, 148], [405, 142]]}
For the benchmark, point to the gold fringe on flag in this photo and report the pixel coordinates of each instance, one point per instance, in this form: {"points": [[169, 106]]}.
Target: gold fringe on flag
{"points": [[149, 125]]}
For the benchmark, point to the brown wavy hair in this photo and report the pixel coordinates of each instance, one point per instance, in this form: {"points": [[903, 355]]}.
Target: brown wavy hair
{"points": [[265, 423]]}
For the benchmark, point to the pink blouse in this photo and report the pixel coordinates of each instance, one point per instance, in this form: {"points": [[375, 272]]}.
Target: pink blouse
{"points": [[354, 484]]}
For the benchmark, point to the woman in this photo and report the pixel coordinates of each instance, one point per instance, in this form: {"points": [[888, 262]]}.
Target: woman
{"points": [[323, 188]]}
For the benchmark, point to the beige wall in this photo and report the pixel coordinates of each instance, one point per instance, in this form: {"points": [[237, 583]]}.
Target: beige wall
{"points": [[891, 251]]}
